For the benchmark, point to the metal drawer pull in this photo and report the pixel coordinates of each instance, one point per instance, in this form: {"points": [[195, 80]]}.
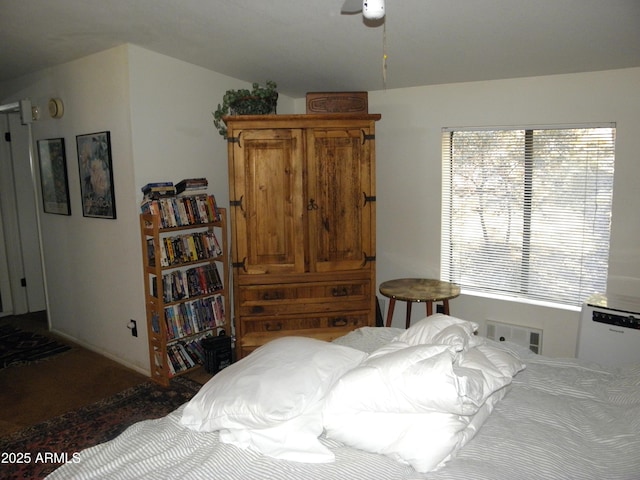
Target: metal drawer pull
{"points": [[339, 322], [270, 328], [340, 292], [271, 296]]}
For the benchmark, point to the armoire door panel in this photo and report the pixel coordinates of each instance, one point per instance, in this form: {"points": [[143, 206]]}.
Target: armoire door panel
{"points": [[339, 180], [302, 192], [269, 182]]}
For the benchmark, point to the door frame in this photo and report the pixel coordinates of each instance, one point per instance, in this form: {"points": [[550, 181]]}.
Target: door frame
{"points": [[19, 216]]}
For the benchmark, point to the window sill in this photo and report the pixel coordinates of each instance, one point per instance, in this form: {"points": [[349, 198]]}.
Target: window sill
{"points": [[515, 299]]}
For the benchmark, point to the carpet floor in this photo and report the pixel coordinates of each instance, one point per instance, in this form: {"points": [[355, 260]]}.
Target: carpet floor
{"points": [[36, 451], [19, 347], [33, 392]]}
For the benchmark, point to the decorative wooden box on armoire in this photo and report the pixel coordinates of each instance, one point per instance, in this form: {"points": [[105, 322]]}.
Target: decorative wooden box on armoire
{"points": [[302, 214]]}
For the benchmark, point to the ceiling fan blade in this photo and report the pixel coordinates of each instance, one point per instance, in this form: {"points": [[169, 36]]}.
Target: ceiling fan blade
{"points": [[351, 6]]}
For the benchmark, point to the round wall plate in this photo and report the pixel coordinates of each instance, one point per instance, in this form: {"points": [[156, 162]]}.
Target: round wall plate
{"points": [[56, 108]]}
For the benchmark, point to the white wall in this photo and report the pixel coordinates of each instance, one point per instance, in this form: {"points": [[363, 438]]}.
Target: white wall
{"points": [[88, 260], [172, 121], [159, 113], [174, 137], [158, 110], [409, 178]]}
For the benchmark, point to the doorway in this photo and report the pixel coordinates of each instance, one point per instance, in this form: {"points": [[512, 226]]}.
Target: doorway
{"points": [[21, 272]]}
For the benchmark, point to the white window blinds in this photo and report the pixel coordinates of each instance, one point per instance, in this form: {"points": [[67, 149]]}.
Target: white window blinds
{"points": [[526, 212]]}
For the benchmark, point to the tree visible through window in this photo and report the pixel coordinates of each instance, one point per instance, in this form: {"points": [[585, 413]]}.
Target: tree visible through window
{"points": [[526, 212]]}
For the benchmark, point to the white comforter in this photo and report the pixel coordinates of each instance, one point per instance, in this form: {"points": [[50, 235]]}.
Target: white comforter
{"points": [[561, 420], [423, 396]]}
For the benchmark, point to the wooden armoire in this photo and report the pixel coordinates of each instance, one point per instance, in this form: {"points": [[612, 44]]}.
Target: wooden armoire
{"points": [[302, 201]]}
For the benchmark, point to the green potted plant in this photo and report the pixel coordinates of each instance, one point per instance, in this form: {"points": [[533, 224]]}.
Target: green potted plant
{"points": [[257, 101]]}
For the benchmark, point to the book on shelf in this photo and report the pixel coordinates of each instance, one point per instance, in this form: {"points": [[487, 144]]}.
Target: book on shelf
{"points": [[181, 284], [155, 323], [183, 211], [158, 360], [190, 185], [193, 317], [195, 346], [151, 253], [157, 190], [174, 359], [189, 361], [191, 247], [156, 186], [185, 354]]}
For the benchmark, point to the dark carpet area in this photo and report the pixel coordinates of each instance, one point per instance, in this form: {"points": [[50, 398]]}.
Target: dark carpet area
{"points": [[36, 451], [18, 347]]}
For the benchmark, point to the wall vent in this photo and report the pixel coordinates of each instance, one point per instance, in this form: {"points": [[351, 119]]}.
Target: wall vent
{"points": [[530, 338]]}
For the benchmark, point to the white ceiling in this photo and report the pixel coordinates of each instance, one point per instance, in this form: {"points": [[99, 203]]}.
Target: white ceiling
{"points": [[307, 45]]}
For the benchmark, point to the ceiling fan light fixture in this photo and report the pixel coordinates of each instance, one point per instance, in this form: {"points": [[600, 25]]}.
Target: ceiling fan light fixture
{"points": [[373, 9]]}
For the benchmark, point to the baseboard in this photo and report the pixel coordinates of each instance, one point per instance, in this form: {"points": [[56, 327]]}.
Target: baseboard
{"points": [[99, 351]]}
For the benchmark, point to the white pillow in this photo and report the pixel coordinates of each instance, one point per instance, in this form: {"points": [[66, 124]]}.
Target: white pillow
{"points": [[422, 440], [441, 329], [294, 440], [418, 404], [398, 404], [277, 382], [486, 370], [282, 381], [506, 363], [397, 379]]}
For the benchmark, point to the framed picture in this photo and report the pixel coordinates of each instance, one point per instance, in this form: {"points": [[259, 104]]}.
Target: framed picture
{"points": [[53, 176], [96, 175]]}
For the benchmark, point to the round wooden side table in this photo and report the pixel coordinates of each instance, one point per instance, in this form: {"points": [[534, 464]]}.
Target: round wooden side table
{"points": [[418, 290]]}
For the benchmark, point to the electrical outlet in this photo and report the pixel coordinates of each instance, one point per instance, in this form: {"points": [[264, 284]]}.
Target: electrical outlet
{"points": [[133, 326]]}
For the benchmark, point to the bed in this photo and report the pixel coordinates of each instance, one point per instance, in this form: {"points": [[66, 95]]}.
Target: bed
{"points": [[492, 411]]}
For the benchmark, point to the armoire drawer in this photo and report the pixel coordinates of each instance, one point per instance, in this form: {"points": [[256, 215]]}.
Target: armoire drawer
{"points": [[300, 298], [348, 321]]}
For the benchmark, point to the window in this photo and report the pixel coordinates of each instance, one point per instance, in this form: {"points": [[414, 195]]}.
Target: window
{"points": [[526, 212]]}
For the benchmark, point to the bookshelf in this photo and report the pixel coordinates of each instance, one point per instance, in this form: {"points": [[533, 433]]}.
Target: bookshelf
{"points": [[186, 272]]}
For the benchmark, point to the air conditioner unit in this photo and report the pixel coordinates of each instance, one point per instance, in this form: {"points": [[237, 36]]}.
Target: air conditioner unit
{"points": [[530, 338]]}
